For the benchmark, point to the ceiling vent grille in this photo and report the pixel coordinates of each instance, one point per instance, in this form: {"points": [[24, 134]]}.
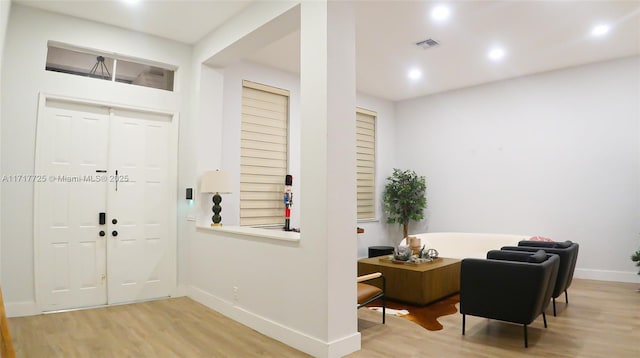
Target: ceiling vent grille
{"points": [[428, 43]]}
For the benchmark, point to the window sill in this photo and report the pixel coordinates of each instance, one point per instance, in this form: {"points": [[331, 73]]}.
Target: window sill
{"points": [[273, 234]]}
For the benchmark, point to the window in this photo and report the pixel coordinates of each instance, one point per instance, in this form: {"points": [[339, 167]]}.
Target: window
{"points": [[105, 67], [263, 154], [366, 162]]}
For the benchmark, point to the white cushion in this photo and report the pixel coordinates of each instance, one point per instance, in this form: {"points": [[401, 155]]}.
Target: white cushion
{"points": [[460, 245]]}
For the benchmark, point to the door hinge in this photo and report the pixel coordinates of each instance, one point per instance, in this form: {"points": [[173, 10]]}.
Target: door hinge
{"points": [[103, 277]]}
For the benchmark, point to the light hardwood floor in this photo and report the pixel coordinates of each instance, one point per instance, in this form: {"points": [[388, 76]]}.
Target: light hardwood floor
{"points": [[602, 320], [178, 327]]}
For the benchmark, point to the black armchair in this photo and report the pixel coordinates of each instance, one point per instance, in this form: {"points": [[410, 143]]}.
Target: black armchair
{"points": [[508, 286], [568, 253]]}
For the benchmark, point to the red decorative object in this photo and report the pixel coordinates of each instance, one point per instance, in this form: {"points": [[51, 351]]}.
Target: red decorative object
{"points": [[288, 201], [540, 238]]}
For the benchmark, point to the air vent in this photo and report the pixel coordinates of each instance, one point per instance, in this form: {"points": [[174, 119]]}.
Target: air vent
{"points": [[428, 43]]}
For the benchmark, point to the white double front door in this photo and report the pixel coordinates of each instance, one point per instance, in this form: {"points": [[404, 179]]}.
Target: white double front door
{"points": [[103, 205]]}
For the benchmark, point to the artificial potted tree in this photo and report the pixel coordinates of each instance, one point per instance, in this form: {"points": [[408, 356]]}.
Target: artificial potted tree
{"points": [[404, 198], [636, 258]]}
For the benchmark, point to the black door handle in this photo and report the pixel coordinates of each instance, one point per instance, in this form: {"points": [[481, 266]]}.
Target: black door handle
{"points": [[114, 233], [102, 218], [102, 233], [114, 221]]}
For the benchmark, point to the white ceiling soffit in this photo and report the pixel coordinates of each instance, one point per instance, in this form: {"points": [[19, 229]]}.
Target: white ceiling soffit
{"points": [[536, 36], [185, 21], [270, 31]]}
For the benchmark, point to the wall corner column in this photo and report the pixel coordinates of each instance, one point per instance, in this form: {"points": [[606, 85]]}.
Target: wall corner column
{"points": [[328, 169]]}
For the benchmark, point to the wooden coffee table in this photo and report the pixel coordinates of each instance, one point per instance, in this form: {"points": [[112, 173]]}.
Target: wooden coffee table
{"points": [[416, 284]]}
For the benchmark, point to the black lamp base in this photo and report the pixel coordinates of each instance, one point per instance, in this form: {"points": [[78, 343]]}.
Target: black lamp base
{"points": [[216, 218]]}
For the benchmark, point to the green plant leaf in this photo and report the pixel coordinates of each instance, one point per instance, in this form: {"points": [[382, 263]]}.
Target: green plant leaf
{"points": [[404, 197]]}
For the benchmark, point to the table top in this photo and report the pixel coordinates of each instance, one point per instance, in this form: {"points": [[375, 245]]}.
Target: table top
{"points": [[438, 263]]}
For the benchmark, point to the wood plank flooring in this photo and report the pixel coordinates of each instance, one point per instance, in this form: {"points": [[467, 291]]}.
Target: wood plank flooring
{"points": [[178, 327], [601, 320]]}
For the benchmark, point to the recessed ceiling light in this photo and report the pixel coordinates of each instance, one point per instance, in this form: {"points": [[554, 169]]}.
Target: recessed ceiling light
{"points": [[440, 13], [130, 2], [496, 54], [600, 30], [415, 74]]}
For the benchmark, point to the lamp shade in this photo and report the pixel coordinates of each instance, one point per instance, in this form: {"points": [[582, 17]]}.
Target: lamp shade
{"points": [[215, 181]]}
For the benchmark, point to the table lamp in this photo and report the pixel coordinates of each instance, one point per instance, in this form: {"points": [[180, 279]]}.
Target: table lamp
{"points": [[216, 182]]}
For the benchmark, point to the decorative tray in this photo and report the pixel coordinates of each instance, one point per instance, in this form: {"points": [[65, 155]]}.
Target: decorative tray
{"points": [[413, 262]]}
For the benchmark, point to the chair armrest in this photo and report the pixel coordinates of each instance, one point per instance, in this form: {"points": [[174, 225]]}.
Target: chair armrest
{"points": [[370, 276]]}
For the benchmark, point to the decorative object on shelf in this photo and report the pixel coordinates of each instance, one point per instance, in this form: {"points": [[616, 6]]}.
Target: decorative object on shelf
{"points": [[415, 244], [288, 201], [217, 182], [430, 254], [404, 198], [402, 253], [421, 252], [412, 261]]}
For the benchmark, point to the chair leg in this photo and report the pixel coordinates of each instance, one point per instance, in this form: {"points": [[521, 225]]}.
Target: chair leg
{"points": [[544, 318], [384, 298], [554, 307], [566, 297], [463, 323], [526, 339]]}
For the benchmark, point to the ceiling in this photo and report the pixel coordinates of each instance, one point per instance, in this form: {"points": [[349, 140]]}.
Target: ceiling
{"points": [[181, 20], [537, 36]]}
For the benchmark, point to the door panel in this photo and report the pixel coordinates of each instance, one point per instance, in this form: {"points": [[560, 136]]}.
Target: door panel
{"points": [[71, 261], [75, 267], [138, 261]]}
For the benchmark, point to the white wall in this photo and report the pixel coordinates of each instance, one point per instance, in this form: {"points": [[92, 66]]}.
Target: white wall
{"points": [[283, 288], [262, 252], [5, 8], [25, 56], [264, 291], [554, 154]]}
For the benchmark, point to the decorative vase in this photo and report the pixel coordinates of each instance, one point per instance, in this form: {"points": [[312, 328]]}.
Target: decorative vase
{"points": [[402, 253], [415, 244]]}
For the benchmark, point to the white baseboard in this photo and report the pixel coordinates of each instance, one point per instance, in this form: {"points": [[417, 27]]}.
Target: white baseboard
{"points": [[21, 309], [607, 275], [30, 308], [344, 346], [275, 330]]}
